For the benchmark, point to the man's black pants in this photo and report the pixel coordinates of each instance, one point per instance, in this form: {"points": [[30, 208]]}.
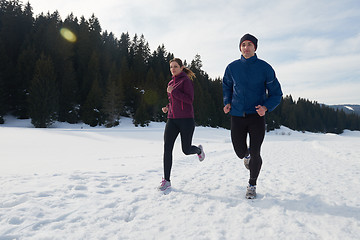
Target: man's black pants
{"points": [[254, 125]]}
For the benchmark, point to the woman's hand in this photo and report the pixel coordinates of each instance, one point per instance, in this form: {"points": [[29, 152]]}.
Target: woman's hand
{"points": [[170, 89], [165, 109]]}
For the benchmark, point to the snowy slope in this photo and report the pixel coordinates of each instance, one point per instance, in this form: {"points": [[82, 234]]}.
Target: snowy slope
{"points": [[348, 108], [77, 182]]}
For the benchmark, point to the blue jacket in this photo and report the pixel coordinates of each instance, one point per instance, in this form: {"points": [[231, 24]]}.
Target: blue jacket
{"points": [[248, 83]]}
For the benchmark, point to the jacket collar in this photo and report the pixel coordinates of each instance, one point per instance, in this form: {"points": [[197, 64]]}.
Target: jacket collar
{"points": [[180, 75], [249, 60]]}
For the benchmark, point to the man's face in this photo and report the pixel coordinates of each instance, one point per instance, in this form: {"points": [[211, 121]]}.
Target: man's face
{"points": [[247, 49]]}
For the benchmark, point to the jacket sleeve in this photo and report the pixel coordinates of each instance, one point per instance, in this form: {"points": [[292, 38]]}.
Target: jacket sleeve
{"points": [[187, 94], [273, 90], [227, 85]]}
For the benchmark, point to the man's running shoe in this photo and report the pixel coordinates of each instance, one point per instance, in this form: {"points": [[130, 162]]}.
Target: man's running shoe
{"points": [[250, 192]]}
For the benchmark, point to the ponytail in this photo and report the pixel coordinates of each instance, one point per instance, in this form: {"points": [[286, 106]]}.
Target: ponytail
{"points": [[188, 72]]}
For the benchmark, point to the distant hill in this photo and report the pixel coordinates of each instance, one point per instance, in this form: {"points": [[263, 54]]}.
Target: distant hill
{"points": [[348, 108]]}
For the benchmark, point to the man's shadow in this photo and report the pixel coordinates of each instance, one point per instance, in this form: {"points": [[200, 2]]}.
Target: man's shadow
{"points": [[302, 203]]}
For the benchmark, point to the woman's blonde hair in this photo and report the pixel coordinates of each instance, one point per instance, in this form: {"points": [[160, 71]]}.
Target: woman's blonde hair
{"points": [[188, 72]]}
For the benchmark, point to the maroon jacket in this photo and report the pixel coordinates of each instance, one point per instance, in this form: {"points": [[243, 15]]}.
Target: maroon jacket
{"points": [[181, 98]]}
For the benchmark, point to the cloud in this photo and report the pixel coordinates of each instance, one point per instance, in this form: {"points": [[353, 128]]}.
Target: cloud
{"points": [[329, 80], [342, 93]]}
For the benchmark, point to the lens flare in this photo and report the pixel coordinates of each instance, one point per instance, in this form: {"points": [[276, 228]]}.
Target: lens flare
{"points": [[68, 35]]}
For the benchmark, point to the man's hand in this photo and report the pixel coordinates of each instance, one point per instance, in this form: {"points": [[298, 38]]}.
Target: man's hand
{"points": [[227, 108], [261, 110], [165, 109]]}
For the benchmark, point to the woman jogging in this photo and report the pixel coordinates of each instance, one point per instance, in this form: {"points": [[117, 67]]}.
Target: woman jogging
{"points": [[180, 112]]}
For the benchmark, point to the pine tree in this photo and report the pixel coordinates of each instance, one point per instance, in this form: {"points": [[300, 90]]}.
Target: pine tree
{"points": [[124, 46], [91, 111], [92, 73], [2, 100], [12, 36], [25, 72], [151, 96], [43, 94], [113, 100], [203, 102], [131, 94], [69, 108], [83, 52], [4, 89], [66, 72], [107, 54], [141, 116]]}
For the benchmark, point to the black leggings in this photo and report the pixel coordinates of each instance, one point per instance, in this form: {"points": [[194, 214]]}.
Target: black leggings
{"points": [[254, 125], [184, 126]]}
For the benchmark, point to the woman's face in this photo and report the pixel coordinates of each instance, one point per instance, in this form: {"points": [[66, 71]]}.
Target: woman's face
{"points": [[175, 68]]}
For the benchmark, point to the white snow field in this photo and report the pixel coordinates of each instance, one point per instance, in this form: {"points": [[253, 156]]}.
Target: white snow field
{"points": [[78, 182]]}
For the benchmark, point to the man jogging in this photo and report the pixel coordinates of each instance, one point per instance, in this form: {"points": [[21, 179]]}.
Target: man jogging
{"points": [[250, 89]]}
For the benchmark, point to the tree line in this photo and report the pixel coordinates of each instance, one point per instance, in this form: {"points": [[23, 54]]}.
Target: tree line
{"points": [[98, 78], [305, 115]]}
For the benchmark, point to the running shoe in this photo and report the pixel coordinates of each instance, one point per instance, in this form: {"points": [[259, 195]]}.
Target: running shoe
{"points": [[250, 192], [164, 185], [202, 154]]}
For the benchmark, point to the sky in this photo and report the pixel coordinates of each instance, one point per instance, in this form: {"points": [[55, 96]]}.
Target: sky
{"points": [[313, 46]]}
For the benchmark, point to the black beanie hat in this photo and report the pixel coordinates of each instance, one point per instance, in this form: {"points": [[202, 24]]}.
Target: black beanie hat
{"points": [[251, 38]]}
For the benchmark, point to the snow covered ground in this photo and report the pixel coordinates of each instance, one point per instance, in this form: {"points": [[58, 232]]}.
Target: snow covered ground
{"points": [[77, 182]]}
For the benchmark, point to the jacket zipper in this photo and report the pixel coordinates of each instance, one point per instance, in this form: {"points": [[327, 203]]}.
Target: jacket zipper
{"points": [[172, 99]]}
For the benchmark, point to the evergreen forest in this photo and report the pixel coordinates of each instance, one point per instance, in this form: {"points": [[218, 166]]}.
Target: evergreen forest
{"points": [[74, 71]]}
